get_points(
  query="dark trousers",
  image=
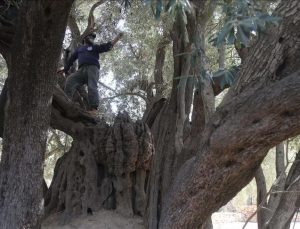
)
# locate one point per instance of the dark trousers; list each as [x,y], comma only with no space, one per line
[89,75]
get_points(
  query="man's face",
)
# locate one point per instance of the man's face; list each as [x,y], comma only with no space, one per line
[90,39]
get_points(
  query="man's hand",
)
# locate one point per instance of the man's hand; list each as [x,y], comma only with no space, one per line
[117,38]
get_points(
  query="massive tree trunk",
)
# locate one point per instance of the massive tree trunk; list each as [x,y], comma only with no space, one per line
[245,126]
[172,127]
[34,54]
[106,167]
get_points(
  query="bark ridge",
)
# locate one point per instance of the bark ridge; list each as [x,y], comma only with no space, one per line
[106,167]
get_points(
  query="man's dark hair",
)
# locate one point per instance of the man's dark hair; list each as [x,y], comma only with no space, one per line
[89,35]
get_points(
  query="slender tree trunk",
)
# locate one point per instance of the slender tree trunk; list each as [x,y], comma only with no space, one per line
[278,186]
[35,52]
[159,64]
[157,101]
[266,207]
[261,200]
[289,201]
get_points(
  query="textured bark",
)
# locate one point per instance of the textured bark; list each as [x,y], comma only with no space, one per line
[164,132]
[159,64]
[156,102]
[153,110]
[171,127]
[204,96]
[245,126]
[213,177]
[261,200]
[7,28]
[34,54]
[276,45]
[106,167]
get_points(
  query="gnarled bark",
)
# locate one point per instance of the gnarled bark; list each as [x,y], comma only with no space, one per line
[34,52]
[172,127]
[213,177]
[106,167]
[246,124]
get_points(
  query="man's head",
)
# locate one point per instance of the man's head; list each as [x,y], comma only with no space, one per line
[89,39]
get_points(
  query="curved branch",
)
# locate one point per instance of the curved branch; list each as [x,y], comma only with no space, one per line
[107,87]
[67,116]
[91,19]
[75,32]
[125,94]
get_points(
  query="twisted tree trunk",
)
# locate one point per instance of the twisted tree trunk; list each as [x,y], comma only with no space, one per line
[171,127]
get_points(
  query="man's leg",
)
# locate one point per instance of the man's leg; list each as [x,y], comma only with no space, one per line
[72,82]
[93,77]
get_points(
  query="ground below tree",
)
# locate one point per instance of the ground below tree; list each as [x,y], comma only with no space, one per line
[102,219]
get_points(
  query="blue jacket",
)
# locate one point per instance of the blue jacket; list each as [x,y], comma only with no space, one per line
[87,55]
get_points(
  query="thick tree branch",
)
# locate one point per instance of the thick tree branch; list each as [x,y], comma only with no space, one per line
[240,130]
[276,44]
[73,25]
[66,116]
[159,63]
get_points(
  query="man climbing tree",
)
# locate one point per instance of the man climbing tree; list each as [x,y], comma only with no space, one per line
[88,70]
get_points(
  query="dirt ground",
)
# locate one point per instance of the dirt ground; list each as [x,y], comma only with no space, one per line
[104,219]
[99,220]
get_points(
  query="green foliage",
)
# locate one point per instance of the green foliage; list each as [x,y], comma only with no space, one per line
[242,21]
[227,76]
[173,7]
[129,67]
